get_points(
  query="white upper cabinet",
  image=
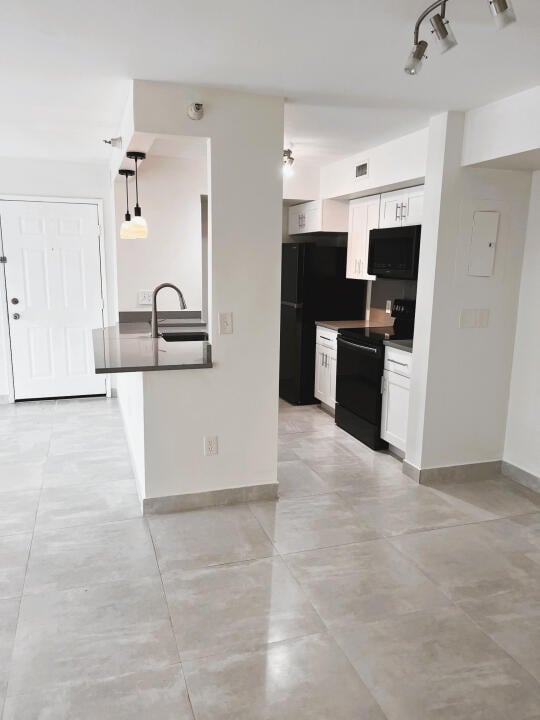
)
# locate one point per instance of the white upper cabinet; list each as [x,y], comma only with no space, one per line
[363,217]
[392,204]
[318,216]
[402,207]
[413,211]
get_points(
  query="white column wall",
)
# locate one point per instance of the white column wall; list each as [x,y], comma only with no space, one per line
[461,377]
[522,447]
[237,400]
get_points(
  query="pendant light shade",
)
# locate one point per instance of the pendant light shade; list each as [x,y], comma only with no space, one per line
[125,228]
[138,226]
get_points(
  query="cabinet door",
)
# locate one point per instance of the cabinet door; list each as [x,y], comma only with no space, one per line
[414,208]
[312,217]
[395,409]
[322,381]
[294,219]
[363,217]
[392,208]
[332,372]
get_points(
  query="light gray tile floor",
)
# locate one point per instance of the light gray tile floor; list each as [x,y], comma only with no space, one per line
[357,596]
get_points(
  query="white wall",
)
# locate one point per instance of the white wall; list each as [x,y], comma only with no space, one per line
[131,400]
[170,192]
[237,399]
[60,179]
[502,128]
[522,446]
[304,183]
[399,163]
[461,377]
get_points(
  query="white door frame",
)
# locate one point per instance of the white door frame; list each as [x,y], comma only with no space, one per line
[6,339]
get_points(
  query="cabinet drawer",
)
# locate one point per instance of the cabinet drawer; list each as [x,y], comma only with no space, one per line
[327,338]
[398,361]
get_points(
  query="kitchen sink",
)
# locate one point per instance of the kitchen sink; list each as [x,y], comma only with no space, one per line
[184,336]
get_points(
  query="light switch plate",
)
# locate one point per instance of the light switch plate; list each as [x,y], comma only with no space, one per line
[145,297]
[474,318]
[225,323]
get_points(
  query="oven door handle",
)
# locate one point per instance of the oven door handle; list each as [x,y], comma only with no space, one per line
[359,347]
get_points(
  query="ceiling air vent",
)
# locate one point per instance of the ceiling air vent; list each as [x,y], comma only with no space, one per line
[362,170]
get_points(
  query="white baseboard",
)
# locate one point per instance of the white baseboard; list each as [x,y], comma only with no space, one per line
[452,473]
[523,477]
[211,498]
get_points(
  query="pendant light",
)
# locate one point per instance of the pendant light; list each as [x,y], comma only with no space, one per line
[138,226]
[125,228]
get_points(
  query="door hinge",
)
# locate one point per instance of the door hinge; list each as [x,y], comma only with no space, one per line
[3,259]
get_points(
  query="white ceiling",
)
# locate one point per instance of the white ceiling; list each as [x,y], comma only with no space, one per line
[63,80]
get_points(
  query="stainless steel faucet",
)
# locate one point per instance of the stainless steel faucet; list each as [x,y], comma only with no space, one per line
[183,305]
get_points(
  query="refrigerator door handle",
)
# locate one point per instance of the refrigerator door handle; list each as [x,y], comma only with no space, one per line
[296,306]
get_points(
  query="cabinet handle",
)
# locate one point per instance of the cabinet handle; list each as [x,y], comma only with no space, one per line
[397,211]
[403,213]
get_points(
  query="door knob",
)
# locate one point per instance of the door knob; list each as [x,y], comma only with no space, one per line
[14,301]
[16,316]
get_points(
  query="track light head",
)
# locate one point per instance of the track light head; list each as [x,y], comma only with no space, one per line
[115,142]
[503,13]
[418,53]
[443,32]
[288,162]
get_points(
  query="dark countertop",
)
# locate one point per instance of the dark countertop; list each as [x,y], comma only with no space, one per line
[128,347]
[406,345]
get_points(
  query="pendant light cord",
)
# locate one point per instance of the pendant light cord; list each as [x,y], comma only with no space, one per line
[127,196]
[136,184]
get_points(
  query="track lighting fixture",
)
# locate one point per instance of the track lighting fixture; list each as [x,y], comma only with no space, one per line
[139,228]
[115,142]
[416,58]
[443,32]
[288,162]
[501,10]
[125,228]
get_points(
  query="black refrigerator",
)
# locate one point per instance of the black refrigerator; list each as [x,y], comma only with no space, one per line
[313,287]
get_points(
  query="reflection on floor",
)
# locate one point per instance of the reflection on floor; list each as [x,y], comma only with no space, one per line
[357,596]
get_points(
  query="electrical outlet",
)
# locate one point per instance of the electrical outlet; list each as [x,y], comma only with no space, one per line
[388,307]
[211,445]
[144,297]
[225,323]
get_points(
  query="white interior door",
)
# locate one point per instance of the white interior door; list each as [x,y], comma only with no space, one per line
[54,295]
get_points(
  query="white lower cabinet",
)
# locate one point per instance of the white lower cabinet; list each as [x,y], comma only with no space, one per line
[326,366]
[395,400]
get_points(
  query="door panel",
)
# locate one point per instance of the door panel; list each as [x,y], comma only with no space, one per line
[53,269]
[395,409]
[359,371]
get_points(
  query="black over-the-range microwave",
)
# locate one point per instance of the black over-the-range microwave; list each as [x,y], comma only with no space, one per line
[394,252]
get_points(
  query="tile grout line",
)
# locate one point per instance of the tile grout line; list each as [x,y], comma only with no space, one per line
[23,586]
[149,530]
